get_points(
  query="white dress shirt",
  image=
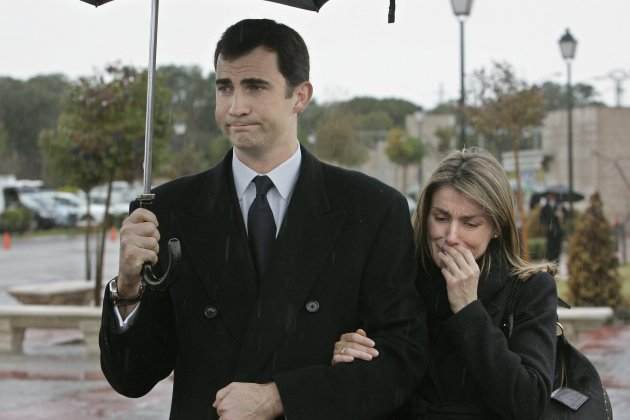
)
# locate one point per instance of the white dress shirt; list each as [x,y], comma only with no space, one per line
[283,176]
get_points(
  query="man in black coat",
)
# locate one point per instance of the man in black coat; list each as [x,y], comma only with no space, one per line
[248,324]
[551,217]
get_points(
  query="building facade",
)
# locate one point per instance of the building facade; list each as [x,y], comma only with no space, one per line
[601,154]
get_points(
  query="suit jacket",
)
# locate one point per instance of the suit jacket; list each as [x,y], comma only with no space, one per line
[475,372]
[343,259]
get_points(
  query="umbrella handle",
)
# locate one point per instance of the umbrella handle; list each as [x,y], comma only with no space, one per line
[174,255]
[174,250]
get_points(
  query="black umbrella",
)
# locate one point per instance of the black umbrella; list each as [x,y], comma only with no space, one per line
[561,193]
[96,2]
[315,5]
[303,4]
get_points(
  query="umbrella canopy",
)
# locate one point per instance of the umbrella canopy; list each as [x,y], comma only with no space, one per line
[96,2]
[303,4]
[561,193]
[315,5]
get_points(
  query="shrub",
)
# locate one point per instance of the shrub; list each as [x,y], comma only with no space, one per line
[536,247]
[593,275]
[16,220]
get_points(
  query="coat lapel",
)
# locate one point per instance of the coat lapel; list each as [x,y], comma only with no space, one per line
[306,239]
[215,242]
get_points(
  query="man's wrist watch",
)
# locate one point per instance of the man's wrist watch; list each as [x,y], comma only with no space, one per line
[117,300]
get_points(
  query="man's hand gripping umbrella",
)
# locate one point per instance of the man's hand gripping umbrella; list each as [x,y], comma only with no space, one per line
[145,200]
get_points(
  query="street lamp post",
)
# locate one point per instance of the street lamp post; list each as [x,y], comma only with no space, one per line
[461,9]
[568,45]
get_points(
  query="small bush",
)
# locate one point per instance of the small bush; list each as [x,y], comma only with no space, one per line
[593,275]
[16,220]
[536,247]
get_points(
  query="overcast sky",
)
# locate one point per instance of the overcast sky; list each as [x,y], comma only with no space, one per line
[353,50]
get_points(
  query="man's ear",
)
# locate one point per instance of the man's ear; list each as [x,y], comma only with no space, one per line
[302,95]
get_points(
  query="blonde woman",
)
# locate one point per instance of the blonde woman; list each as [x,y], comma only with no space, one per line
[468,256]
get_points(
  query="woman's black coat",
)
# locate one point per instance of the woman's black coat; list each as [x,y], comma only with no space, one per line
[474,371]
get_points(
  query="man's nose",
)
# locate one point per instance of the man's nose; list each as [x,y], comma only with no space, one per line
[238,104]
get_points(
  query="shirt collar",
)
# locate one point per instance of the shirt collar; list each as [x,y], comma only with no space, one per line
[283,176]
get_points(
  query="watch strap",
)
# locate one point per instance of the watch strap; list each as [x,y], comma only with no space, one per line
[117,300]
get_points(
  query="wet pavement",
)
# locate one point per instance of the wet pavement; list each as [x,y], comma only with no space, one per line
[609,349]
[55,379]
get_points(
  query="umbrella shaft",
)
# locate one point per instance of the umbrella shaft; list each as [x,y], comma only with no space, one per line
[148,130]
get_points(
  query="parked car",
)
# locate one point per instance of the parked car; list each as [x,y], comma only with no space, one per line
[40,206]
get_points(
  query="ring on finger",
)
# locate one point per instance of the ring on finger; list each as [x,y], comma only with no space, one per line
[342,351]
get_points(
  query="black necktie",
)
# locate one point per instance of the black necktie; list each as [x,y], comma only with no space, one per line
[261,228]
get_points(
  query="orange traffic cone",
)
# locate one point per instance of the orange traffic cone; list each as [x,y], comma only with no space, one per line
[113,233]
[6,240]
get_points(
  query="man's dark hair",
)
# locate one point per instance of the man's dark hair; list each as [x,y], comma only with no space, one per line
[248,34]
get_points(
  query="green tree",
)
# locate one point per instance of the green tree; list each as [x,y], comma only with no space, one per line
[191,113]
[375,120]
[506,108]
[556,95]
[309,119]
[403,150]
[7,156]
[100,136]
[593,276]
[396,109]
[26,108]
[338,140]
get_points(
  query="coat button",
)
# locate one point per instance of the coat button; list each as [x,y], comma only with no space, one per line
[210,312]
[312,306]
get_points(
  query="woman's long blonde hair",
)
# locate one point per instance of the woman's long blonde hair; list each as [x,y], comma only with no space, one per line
[477,175]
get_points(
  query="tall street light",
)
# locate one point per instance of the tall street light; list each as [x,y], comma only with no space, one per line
[568,45]
[462,9]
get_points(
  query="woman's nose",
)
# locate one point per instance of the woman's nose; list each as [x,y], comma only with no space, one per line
[452,237]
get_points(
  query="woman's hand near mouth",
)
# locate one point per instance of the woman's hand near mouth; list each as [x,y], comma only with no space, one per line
[461,272]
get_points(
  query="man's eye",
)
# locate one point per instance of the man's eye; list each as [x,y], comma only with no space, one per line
[255,88]
[440,218]
[224,89]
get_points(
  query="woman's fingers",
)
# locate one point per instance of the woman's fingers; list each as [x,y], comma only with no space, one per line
[356,350]
[458,258]
[341,358]
[358,337]
[352,346]
[448,263]
[468,255]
